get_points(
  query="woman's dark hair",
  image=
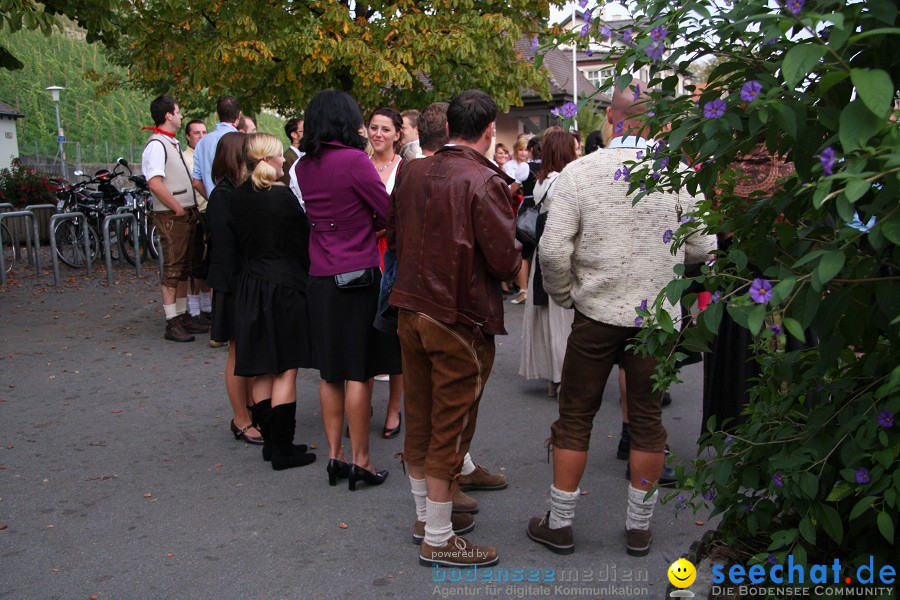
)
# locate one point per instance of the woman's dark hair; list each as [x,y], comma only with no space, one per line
[229,160]
[395,118]
[593,142]
[557,150]
[332,116]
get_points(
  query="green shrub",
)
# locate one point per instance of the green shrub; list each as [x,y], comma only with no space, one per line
[21,185]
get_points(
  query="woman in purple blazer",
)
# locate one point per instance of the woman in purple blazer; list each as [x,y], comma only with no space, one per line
[346,204]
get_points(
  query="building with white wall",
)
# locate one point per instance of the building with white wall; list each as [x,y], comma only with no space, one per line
[9,142]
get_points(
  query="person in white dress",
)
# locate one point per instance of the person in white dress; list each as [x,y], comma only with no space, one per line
[546,325]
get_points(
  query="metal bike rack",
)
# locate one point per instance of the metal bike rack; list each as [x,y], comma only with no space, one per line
[11,215]
[37,237]
[122,216]
[84,232]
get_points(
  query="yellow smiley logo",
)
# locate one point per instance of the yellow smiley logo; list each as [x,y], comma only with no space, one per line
[682,573]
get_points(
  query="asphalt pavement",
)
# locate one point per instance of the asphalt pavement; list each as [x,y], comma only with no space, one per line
[119,477]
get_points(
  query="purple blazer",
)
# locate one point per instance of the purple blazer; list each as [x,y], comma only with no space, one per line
[346,204]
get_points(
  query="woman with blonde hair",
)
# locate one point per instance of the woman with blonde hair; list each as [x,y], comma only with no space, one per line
[272,321]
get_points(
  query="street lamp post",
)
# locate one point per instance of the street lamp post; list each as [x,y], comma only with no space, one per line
[60,137]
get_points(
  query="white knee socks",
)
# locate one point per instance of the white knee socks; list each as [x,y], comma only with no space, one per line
[468,466]
[193,304]
[639,511]
[438,527]
[205,302]
[562,507]
[420,493]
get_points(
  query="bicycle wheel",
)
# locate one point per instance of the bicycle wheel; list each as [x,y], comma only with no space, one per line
[154,246]
[6,245]
[126,239]
[70,243]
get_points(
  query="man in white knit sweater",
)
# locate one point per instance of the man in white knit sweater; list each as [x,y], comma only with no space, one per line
[604,256]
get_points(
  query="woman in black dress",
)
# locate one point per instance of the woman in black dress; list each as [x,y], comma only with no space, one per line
[228,172]
[271,320]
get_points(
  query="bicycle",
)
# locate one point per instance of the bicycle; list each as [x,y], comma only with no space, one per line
[96,205]
[139,202]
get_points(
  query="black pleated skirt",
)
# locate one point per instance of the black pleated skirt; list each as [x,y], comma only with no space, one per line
[271,328]
[345,342]
[222,329]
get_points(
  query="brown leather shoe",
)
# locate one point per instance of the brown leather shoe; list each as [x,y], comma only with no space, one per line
[462,502]
[193,324]
[462,524]
[176,332]
[637,541]
[457,552]
[561,540]
[482,479]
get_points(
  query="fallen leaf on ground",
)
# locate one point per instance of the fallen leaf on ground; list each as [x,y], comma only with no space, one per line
[116,411]
[584,493]
[701,522]
[169,555]
[3,526]
[218,465]
[55,570]
[343,526]
[49,526]
[313,446]
[148,495]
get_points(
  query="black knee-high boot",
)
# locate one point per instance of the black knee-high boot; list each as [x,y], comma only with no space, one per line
[282,423]
[262,413]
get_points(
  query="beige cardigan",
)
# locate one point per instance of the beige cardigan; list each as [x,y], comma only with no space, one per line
[604,256]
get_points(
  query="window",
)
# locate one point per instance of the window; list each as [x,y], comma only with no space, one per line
[600,76]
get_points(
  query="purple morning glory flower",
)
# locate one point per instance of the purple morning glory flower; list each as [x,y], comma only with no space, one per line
[643,481]
[667,236]
[644,307]
[650,113]
[643,187]
[795,6]
[775,329]
[638,155]
[655,50]
[664,162]
[627,35]
[827,159]
[714,109]
[709,494]
[658,33]
[589,52]
[625,172]
[554,112]
[687,220]
[606,32]
[862,475]
[585,30]
[638,321]
[750,91]
[886,419]
[620,126]
[778,479]
[582,3]
[728,440]
[716,296]
[587,16]
[534,44]
[618,174]
[568,110]
[656,175]
[637,92]
[772,559]
[761,291]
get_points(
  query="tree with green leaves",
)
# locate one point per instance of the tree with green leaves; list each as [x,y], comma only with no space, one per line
[277,54]
[810,269]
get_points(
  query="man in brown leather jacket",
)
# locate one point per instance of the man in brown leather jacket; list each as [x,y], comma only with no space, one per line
[453,232]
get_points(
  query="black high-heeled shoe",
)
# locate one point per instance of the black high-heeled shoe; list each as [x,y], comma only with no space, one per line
[357,473]
[337,469]
[241,434]
[394,432]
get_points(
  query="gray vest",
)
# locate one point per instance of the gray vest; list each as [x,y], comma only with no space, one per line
[178,179]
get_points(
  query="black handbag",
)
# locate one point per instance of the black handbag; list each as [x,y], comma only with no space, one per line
[355,279]
[527,220]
